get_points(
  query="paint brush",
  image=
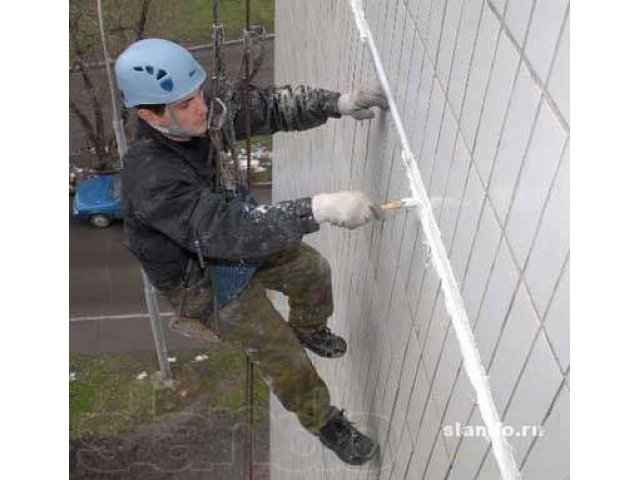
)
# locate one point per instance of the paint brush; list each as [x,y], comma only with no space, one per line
[397,204]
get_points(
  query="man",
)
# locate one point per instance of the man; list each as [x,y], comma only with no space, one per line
[212,250]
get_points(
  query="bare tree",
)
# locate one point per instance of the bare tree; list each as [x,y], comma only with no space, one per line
[85,47]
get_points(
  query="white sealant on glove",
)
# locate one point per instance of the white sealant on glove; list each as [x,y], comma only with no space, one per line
[344,209]
[358,102]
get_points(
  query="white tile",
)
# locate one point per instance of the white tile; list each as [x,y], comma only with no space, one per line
[399,321]
[427,436]
[495,106]
[396,45]
[460,406]
[517,19]
[431,133]
[435,26]
[380,383]
[387,456]
[421,112]
[463,51]
[393,383]
[467,221]
[552,242]
[424,10]
[416,273]
[455,189]
[484,252]
[448,39]
[398,187]
[470,453]
[517,130]
[479,75]
[543,34]
[404,65]
[450,361]
[413,84]
[549,458]
[500,4]
[384,277]
[439,461]
[438,182]
[405,450]
[391,151]
[417,402]
[533,395]
[511,353]
[490,470]
[413,7]
[557,323]
[559,79]
[388,32]
[411,232]
[532,189]
[500,290]
[435,337]
[407,380]
[423,313]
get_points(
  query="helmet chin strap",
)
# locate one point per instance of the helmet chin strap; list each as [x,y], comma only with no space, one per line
[174,129]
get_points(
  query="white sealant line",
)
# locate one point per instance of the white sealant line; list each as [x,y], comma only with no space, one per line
[453,300]
[116,317]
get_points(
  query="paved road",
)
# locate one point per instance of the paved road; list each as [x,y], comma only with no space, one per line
[106,299]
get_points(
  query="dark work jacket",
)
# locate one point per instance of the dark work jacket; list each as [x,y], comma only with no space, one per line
[171,207]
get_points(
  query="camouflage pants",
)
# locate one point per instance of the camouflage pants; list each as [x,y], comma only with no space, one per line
[304,276]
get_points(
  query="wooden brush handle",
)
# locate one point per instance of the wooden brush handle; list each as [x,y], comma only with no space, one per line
[394,205]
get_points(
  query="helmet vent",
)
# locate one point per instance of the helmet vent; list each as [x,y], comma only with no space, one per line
[149,69]
[161,73]
[166,84]
[192,73]
[137,69]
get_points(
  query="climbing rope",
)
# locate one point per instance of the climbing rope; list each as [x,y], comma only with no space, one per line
[222,136]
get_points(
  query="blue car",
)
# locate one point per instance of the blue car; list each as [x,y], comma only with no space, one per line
[98,199]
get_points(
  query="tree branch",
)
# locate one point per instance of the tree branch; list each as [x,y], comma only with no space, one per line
[142,20]
[97,142]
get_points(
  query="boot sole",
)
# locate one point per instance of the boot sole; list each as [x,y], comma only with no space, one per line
[321,354]
[374,451]
[313,349]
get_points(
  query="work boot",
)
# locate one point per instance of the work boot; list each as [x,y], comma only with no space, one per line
[321,341]
[351,446]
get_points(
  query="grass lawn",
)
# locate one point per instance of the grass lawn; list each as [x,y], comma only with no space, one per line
[106,398]
[192,20]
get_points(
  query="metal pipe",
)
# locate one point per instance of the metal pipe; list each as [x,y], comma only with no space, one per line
[157,328]
[121,140]
[247,91]
[107,61]
[250,407]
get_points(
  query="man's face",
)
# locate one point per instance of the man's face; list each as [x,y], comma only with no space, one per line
[190,114]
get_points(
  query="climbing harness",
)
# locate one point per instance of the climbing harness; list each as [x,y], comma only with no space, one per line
[229,278]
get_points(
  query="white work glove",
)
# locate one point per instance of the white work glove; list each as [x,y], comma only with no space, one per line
[358,102]
[344,209]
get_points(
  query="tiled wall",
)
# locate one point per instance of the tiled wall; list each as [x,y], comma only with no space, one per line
[482,89]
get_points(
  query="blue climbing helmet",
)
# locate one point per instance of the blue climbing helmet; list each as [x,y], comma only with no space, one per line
[157,72]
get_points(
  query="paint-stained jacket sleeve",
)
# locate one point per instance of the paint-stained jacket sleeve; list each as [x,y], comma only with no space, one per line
[286,108]
[171,203]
